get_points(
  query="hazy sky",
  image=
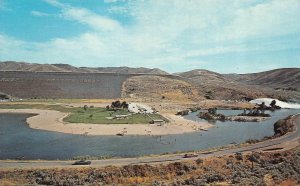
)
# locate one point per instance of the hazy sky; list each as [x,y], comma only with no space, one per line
[175,35]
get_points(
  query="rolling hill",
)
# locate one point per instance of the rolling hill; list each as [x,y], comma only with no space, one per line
[278,78]
[278,83]
[142,83]
[34,67]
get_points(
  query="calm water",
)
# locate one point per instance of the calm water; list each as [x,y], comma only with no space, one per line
[17,139]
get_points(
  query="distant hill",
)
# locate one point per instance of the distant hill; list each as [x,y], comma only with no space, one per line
[281,83]
[194,85]
[21,66]
[200,75]
[278,78]
[196,72]
[34,67]
[128,70]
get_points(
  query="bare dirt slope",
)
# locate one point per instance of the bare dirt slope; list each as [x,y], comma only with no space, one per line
[150,87]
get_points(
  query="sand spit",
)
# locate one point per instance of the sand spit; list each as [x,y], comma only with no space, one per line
[51,120]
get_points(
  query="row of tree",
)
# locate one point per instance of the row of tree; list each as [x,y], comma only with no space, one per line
[118,105]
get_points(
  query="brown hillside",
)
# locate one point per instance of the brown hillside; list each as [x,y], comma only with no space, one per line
[34,67]
[149,87]
[235,87]
[192,85]
[279,78]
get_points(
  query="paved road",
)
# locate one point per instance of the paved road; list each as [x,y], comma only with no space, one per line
[157,159]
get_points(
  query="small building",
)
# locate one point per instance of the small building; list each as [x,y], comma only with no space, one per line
[157,121]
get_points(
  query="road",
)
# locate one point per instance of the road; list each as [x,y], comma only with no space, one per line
[268,144]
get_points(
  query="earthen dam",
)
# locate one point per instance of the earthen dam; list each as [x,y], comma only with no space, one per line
[65,85]
[61,84]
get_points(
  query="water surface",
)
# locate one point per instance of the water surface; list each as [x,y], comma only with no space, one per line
[18,140]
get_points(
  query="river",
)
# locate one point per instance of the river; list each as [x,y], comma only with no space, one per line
[18,140]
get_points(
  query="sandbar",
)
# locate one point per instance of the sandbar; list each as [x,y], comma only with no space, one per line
[51,120]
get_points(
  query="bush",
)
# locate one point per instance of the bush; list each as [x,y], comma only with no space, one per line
[251,141]
[85,107]
[254,157]
[183,112]
[239,156]
[215,177]
[199,161]
[118,104]
[4,96]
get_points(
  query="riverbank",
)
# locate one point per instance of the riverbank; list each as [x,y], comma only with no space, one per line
[221,170]
[51,120]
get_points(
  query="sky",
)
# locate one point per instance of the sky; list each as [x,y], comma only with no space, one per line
[234,36]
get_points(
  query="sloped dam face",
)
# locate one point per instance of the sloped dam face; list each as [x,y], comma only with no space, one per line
[62,84]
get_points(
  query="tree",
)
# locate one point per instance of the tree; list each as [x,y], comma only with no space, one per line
[273,103]
[85,107]
[116,104]
[124,105]
[4,96]
[212,111]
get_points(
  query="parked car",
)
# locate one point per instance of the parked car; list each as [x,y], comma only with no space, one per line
[82,162]
[190,155]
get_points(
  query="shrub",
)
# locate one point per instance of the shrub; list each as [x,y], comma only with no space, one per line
[85,107]
[239,156]
[199,161]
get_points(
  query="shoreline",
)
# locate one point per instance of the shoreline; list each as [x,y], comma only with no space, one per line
[51,120]
[163,158]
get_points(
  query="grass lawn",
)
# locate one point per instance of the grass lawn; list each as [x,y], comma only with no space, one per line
[39,106]
[98,116]
[66,100]
[91,115]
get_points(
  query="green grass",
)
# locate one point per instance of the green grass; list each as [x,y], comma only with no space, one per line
[39,106]
[51,100]
[54,101]
[98,116]
[91,115]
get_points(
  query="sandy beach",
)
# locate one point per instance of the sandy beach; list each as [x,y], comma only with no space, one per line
[51,120]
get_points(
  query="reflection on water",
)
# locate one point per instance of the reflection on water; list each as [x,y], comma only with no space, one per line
[18,140]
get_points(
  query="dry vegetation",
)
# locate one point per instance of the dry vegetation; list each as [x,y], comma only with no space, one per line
[235,86]
[157,88]
[277,168]
[199,85]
